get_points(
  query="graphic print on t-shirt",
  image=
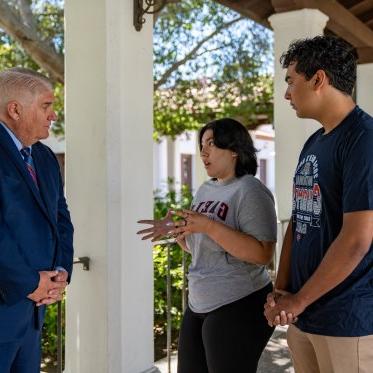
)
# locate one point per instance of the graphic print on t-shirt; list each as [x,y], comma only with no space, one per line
[212,208]
[306,196]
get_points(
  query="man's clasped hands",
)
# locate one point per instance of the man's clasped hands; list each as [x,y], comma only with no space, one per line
[282,308]
[51,286]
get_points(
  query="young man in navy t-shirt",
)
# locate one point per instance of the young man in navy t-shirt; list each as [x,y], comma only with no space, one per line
[324,288]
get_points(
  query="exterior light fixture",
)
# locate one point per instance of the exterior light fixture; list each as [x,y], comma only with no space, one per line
[142,7]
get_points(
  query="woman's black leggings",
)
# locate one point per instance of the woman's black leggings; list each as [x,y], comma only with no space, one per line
[229,339]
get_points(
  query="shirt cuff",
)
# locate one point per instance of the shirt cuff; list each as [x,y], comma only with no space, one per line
[60,269]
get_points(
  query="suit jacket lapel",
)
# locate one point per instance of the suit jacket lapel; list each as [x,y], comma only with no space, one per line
[11,150]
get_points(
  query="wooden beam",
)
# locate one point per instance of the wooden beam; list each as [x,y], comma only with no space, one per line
[365,55]
[367,16]
[281,6]
[339,30]
[240,6]
[342,22]
[361,7]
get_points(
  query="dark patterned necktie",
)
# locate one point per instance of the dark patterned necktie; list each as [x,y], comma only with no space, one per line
[26,154]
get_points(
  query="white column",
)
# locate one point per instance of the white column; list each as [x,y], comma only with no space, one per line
[364,84]
[109,186]
[291,132]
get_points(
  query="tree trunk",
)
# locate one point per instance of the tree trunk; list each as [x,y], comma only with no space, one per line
[38,49]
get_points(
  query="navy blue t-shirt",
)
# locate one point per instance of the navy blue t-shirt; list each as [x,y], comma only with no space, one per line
[334,176]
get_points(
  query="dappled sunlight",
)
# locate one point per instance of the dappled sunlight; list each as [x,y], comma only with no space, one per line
[276,356]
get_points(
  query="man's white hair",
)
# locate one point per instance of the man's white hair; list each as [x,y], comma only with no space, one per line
[21,84]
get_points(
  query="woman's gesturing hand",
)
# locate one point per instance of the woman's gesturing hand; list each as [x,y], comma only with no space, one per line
[189,222]
[160,228]
[192,222]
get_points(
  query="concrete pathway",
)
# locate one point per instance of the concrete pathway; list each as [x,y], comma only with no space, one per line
[275,358]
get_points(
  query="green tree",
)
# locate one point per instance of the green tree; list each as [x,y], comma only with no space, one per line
[37,27]
[209,62]
[193,103]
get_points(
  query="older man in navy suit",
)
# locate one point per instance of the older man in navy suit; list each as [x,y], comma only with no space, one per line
[36,233]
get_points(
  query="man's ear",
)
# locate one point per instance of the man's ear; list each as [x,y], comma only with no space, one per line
[320,79]
[14,110]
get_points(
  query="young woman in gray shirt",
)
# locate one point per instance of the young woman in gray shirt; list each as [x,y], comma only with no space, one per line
[230,232]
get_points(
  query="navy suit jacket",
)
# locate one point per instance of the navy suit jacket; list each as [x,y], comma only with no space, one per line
[35,232]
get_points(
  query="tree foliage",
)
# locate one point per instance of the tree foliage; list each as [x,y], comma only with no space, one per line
[209,62]
[192,104]
[37,25]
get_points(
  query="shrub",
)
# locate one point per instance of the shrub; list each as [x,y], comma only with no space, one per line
[171,200]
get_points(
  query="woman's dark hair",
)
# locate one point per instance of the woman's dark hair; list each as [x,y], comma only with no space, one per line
[231,134]
[333,55]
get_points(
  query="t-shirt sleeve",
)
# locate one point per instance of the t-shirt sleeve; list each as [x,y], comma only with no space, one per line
[257,215]
[358,173]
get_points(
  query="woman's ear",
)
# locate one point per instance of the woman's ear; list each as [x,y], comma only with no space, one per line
[234,155]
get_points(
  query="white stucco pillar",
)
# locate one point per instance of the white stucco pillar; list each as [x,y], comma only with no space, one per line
[109,186]
[364,84]
[291,132]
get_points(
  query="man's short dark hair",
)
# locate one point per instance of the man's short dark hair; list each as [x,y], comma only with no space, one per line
[333,55]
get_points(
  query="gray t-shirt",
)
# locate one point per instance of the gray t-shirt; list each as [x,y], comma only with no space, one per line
[215,277]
